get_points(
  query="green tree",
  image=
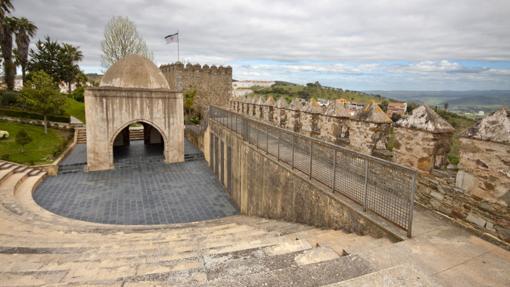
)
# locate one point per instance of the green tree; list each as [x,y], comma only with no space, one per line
[57,60]
[25,30]
[8,25]
[22,138]
[45,58]
[40,94]
[5,8]
[189,97]
[121,38]
[70,55]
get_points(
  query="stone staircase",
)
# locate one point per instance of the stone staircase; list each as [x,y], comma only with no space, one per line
[38,247]
[135,134]
[81,135]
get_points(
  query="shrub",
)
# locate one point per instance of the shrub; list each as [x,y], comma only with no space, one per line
[5,157]
[8,98]
[78,94]
[22,138]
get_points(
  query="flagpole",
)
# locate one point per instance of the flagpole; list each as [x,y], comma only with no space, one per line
[178,46]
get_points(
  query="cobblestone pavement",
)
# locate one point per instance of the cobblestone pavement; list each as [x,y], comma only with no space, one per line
[145,193]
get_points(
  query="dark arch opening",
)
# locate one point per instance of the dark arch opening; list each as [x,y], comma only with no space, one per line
[137,143]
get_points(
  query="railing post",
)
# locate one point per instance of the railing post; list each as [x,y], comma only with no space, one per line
[334,172]
[231,127]
[365,200]
[278,145]
[411,208]
[293,144]
[311,153]
[257,131]
[267,139]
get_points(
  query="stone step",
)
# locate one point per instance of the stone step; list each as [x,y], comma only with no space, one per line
[4,173]
[400,275]
[71,168]
[315,274]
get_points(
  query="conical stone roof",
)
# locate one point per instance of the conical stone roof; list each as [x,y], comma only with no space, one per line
[372,113]
[495,127]
[295,104]
[281,103]
[269,101]
[426,119]
[313,107]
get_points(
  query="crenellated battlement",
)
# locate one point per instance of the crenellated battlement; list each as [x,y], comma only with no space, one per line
[220,70]
[213,84]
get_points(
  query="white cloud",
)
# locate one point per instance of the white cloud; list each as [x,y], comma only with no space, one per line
[297,32]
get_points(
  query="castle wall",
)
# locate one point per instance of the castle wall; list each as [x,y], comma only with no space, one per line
[476,196]
[213,84]
[263,187]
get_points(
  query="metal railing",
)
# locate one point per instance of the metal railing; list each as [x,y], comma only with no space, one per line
[380,186]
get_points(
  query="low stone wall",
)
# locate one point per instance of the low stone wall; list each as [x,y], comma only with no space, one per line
[365,130]
[57,125]
[261,186]
[476,196]
[195,135]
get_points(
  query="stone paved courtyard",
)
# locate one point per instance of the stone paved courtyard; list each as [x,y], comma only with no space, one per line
[141,191]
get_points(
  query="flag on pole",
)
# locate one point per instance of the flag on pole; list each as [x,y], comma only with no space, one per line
[172,38]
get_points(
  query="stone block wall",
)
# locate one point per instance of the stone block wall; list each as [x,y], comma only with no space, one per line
[421,149]
[477,195]
[423,140]
[364,136]
[263,187]
[337,125]
[213,84]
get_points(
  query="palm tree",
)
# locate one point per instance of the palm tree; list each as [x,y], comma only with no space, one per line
[8,25]
[5,8]
[25,30]
[72,55]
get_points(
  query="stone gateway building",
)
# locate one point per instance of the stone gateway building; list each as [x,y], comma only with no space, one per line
[133,90]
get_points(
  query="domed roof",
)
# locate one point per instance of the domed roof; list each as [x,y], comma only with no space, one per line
[134,71]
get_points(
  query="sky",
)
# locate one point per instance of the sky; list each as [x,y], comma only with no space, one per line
[357,45]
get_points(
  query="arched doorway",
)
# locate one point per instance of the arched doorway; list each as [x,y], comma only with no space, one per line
[136,143]
[133,89]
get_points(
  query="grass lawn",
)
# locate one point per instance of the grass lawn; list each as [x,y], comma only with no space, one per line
[75,109]
[43,148]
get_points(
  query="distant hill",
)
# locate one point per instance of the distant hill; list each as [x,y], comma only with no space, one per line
[94,78]
[314,90]
[462,101]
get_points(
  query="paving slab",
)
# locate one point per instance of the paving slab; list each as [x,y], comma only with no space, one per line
[141,191]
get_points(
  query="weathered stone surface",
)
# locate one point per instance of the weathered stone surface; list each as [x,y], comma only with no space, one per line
[364,136]
[473,218]
[426,119]
[293,111]
[373,114]
[134,71]
[213,84]
[338,109]
[123,100]
[495,128]
[421,149]
[316,255]
[310,113]
[488,164]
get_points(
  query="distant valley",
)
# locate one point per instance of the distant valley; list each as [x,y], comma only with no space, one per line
[458,101]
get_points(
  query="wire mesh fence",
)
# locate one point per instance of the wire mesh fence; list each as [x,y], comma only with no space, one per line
[380,186]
